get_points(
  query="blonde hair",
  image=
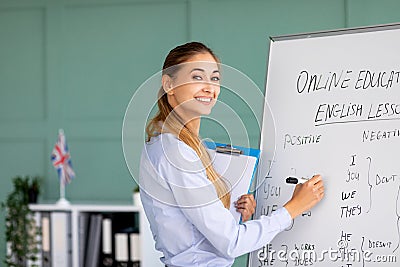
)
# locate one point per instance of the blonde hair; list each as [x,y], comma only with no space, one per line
[174,124]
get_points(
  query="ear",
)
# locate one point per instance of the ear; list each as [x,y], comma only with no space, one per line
[166,81]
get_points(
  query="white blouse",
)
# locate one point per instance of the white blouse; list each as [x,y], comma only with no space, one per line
[190,225]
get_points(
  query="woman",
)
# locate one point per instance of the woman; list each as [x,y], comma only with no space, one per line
[184,198]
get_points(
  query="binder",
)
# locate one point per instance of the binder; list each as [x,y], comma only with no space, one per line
[60,239]
[237,165]
[107,258]
[123,225]
[93,243]
[121,249]
[83,227]
[135,249]
[46,243]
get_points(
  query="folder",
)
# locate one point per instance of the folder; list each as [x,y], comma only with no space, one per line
[237,165]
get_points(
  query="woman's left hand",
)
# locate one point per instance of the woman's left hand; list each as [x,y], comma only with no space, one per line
[246,205]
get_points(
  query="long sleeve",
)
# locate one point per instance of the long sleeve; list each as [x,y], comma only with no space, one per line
[199,202]
[188,221]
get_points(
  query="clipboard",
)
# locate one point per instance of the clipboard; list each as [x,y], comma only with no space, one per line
[237,165]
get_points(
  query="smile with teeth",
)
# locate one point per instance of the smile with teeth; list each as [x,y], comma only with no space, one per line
[203,99]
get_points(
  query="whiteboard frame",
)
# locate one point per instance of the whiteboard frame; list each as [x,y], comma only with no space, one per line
[374,28]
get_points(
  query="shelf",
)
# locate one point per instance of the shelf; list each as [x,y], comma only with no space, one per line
[87,208]
[149,256]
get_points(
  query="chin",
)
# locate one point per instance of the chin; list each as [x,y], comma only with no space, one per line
[202,111]
[206,111]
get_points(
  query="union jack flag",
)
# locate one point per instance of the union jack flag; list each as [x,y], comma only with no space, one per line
[62,160]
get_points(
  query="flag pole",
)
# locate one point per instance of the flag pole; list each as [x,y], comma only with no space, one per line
[62,201]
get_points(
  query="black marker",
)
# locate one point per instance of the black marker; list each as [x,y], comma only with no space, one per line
[295,180]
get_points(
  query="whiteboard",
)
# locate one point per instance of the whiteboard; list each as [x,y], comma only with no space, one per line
[334,109]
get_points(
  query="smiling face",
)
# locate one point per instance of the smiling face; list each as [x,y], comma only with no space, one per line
[194,88]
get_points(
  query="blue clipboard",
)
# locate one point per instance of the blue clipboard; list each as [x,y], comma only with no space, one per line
[237,165]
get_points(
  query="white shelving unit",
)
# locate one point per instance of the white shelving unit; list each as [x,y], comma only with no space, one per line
[149,258]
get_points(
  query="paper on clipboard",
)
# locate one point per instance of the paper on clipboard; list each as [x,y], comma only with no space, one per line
[238,169]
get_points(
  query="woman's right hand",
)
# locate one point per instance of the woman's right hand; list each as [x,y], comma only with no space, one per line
[305,196]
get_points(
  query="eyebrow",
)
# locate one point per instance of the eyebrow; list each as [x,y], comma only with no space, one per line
[198,69]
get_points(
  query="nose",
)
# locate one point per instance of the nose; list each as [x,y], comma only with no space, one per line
[210,87]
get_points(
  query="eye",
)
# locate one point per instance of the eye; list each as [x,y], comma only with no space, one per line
[216,79]
[197,77]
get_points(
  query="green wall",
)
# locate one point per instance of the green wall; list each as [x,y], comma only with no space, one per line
[75,65]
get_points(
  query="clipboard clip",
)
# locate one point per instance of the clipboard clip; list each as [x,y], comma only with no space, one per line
[228,149]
